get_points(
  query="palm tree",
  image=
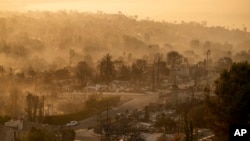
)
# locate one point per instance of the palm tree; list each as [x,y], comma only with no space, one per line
[107,69]
[138,68]
[158,58]
[173,58]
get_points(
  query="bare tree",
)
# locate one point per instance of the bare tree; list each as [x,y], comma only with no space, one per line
[83,71]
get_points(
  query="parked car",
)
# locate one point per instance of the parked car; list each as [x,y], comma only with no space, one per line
[72,123]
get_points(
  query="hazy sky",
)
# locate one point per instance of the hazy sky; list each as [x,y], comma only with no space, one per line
[216,12]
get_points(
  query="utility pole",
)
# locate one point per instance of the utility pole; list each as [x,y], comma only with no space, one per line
[107,125]
[102,78]
[195,82]
[153,76]
[175,89]
[208,53]
[207,90]
[158,72]
[99,125]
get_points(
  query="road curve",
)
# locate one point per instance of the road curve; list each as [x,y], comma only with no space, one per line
[138,102]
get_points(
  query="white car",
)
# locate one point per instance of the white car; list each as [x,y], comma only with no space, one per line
[72,123]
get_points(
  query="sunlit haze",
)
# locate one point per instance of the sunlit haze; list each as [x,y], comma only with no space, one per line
[228,13]
[95,70]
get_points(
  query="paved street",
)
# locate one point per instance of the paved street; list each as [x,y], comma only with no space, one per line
[138,102]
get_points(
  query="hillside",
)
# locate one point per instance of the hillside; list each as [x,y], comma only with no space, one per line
[40,39]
